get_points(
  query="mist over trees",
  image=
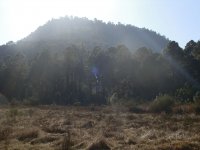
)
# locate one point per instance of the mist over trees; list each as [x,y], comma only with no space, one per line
[75,60]
[57,34]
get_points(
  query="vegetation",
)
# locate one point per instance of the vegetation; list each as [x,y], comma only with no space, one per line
[33,71]
[78,76]
[91,63]
[58,34]
[162,103]
[110,129]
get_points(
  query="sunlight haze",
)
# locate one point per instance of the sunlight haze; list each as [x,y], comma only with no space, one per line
[178,20]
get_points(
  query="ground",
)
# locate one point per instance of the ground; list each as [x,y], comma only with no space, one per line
[93,128]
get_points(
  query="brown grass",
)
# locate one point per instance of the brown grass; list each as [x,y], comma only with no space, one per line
[5,132]
[100,144]
[66,142]
[27,135]
[44,140]
[56,127]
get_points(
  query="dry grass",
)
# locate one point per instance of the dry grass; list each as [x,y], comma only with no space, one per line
[5,133]
[54,127]
[27,135]
[100,144]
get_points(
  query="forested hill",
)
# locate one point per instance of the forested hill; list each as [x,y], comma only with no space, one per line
[61,63]
[63,32]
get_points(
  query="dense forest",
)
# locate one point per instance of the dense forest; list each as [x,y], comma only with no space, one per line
[74,60]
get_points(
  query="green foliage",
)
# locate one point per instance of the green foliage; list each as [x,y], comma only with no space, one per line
[196,98]
[173,50]
[185,93]
[162,103]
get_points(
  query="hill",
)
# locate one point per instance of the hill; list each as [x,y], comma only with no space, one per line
[73,60]
[60,33]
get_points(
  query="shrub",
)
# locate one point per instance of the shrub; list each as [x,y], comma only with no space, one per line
[113,99]
[185,94]
[196,98]
[77,103]
[31,101]
[197,110]
[162,103]
[3,100]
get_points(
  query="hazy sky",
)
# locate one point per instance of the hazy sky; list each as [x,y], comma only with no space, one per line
[176,19]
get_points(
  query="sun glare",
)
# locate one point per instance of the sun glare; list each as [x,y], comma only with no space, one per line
[28,15]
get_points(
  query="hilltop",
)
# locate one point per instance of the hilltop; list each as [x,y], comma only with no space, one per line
[58,34]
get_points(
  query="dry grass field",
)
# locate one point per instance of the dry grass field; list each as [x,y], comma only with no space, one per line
[93,128]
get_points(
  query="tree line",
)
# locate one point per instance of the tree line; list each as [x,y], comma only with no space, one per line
[77,75]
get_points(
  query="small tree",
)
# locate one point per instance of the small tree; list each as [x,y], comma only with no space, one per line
[185,93]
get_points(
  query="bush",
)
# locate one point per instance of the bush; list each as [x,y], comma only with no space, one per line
[185,94]
[113,99]
[197,110]
[196,98]
[3,100]
[162,103]
[31,101]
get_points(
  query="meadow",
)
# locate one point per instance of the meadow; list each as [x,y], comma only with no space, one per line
[93,128]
